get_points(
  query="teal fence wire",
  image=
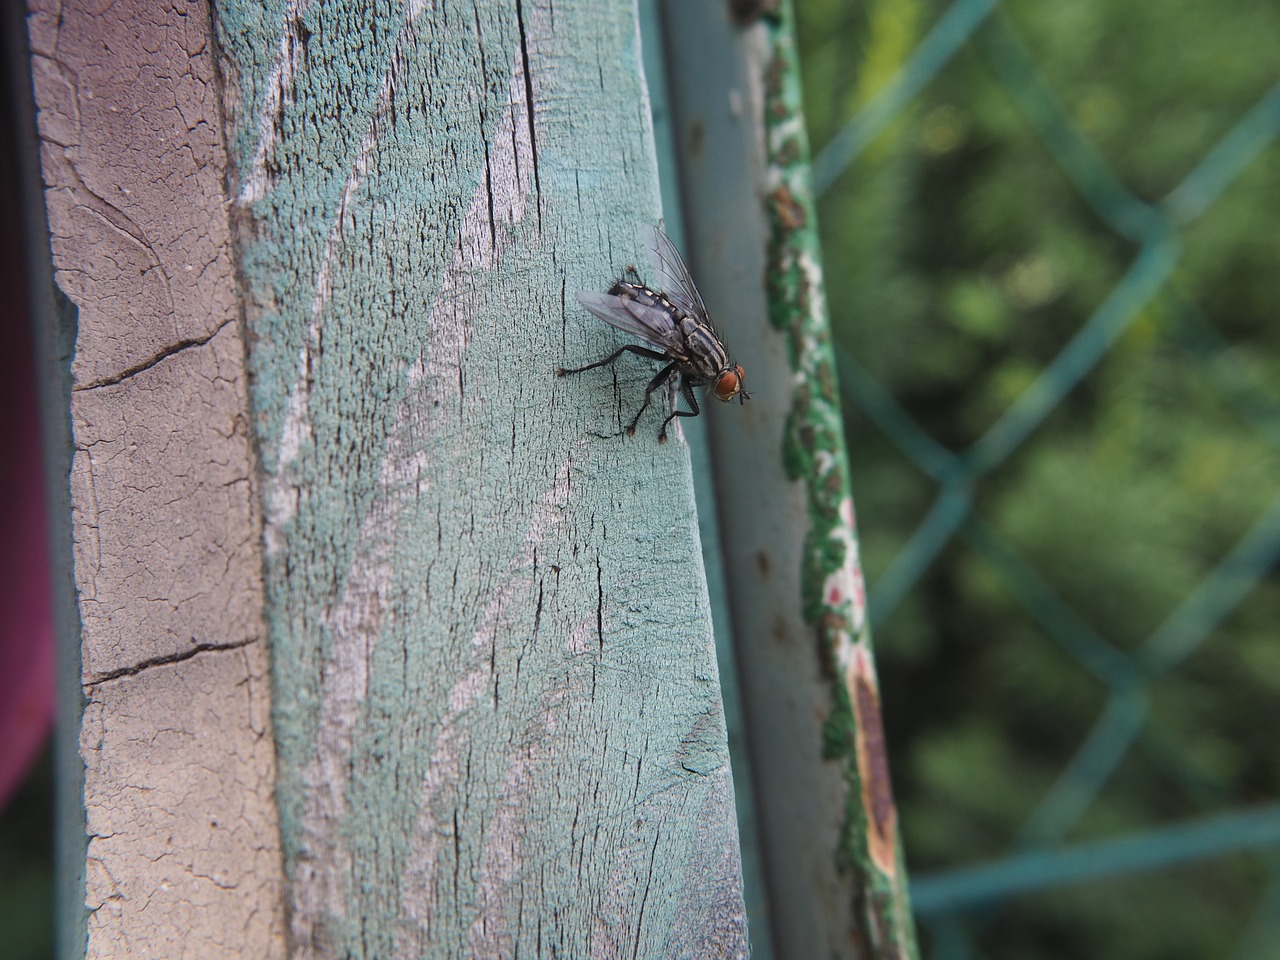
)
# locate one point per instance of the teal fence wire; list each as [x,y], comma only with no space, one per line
[1140,792]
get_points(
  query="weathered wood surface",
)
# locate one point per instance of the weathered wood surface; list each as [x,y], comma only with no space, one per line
[496,699]
[182,856]
[827,825]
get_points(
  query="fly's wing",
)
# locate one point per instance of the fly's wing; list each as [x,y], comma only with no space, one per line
[648,323]
[672,275]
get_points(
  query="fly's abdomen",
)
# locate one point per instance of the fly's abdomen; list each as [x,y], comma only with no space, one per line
[643,295]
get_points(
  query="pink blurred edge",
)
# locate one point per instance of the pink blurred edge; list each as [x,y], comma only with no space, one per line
[26,692]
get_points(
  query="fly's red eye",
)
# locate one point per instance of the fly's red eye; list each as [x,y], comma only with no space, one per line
[729,383]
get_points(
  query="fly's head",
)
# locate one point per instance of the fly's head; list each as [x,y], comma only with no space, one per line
[730,383]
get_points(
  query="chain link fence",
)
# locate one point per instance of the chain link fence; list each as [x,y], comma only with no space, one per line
[1082,204]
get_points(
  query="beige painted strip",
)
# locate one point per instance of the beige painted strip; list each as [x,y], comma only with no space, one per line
[183,854]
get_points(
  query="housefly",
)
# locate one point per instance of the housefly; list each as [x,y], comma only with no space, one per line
[673,320]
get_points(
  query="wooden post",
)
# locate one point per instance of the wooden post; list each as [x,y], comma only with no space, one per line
[494,703]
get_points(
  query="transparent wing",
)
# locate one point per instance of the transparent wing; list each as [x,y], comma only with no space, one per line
[648,323]
[672,275]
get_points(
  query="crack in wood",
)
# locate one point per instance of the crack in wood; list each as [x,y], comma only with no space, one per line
[135,669]
[142,366]
[528,99]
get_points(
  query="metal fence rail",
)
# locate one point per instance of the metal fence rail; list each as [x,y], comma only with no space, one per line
[1127,675]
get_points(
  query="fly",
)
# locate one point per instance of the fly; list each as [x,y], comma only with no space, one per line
[673,320]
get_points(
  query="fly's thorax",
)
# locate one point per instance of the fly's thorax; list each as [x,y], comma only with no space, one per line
[705,354]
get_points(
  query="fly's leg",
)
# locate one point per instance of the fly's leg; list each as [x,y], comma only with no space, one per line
[687,389]
[662,377]
[629,348]
[630,271]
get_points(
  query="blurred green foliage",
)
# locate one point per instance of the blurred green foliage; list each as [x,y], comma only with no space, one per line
[960,260]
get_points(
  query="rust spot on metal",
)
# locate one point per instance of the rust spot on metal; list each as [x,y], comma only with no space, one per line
[697,138]
[780,634]
[788,153]
[787,209]
[873,767]
[773,78]
[764,566]
[827,665]
[803,302]
[834,623]
[808,438]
